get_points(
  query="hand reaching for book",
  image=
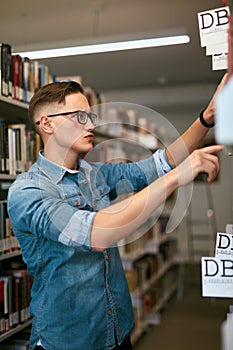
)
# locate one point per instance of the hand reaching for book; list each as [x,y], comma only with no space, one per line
[204,160]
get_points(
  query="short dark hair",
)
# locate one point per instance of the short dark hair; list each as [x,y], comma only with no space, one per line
[53,92]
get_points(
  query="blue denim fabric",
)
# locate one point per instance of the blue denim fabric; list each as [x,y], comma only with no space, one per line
[80,297]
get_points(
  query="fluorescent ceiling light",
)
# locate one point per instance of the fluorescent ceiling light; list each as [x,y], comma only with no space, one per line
[107,47]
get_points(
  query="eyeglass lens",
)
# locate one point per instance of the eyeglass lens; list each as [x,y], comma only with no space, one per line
[83,116]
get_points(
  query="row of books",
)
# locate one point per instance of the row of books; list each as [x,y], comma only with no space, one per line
[121,121]
[21,77]
[15,286]
[8,241]
[147,307]
[148,267]
[156,297]
[152,236]
[19,147]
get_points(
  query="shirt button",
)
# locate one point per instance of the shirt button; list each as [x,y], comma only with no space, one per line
[85,182]
[109,312]
[77,203]
[94,206]
[106,257]
[101,191]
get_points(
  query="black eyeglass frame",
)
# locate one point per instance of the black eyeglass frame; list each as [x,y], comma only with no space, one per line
[92,116]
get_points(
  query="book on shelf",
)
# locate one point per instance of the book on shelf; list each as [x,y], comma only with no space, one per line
[19,148]
[6,70]
[16,62]
[18,301]
[3,225]
[26,77]
[29,76]
[45,76]
[2,316]
[3,146]
[7,283]
[20,76]
[8,241]
[37,80]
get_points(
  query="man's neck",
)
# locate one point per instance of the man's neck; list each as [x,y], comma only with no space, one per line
[69,160]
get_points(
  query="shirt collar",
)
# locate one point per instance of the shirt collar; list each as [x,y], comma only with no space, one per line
[56,172]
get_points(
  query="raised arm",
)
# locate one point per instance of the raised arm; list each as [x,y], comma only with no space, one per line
[194,135]
[121,219]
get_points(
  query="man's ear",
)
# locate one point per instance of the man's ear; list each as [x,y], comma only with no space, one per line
[46,125]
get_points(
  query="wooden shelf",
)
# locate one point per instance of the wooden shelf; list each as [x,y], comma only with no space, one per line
[7,177]
[13,110]
[10,255]
[15,330]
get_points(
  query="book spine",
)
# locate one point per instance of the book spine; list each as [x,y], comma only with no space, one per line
[21,148]
[31,87]
[9,73]
[26,77]
[1,146]
[11,147]
[4,54]
[16,74]
[5,148]
[2,319]
[21,80]
[21,295]
[2,227]
[6,308]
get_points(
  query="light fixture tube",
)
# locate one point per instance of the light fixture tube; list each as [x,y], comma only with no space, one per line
[106,47]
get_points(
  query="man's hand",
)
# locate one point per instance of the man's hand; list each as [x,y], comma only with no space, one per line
[201,160]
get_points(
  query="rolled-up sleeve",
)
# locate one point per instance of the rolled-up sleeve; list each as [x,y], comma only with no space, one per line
[162,164]
[41,211]
[82,220]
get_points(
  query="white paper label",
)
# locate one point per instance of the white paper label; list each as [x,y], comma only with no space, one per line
[219,61]
[217,277]
[224,246]
[213,25]
[216,49]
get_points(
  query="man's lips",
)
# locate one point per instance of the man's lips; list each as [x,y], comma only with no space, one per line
[89,136]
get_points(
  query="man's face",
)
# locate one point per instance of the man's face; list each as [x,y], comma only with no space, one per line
[69,134]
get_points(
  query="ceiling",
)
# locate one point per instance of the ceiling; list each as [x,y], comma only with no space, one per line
[29,24]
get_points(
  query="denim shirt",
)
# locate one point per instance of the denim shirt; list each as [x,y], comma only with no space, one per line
[80,297]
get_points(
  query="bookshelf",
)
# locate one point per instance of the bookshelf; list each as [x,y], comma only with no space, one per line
[12,322]
[149,259]
[150,264]
[15,285]
[152,278]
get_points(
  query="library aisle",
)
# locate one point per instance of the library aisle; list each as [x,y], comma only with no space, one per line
[191,323]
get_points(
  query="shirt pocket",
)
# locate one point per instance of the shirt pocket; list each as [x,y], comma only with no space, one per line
[76,200]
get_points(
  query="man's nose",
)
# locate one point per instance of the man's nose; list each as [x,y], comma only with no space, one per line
[89,125]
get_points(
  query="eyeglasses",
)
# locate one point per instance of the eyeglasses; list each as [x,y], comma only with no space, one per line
[81,116]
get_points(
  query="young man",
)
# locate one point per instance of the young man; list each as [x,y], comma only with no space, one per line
[61,214]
